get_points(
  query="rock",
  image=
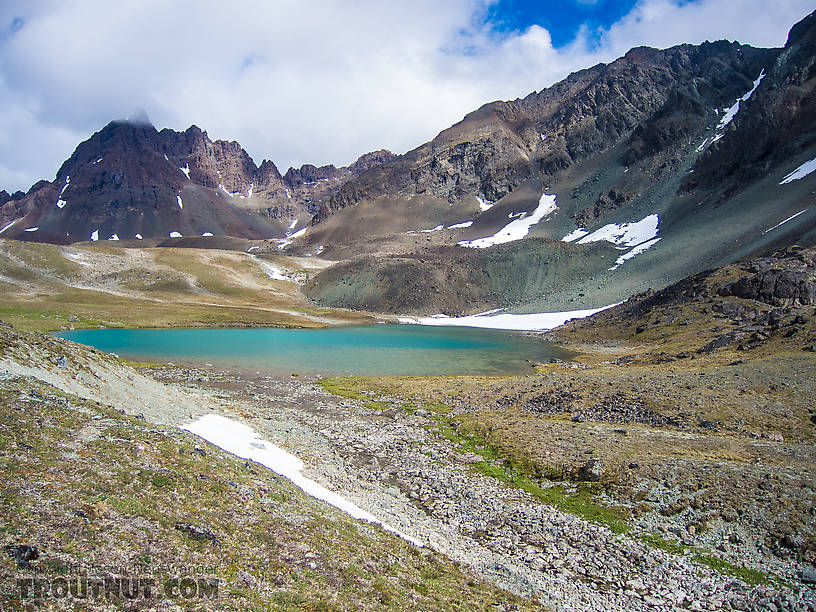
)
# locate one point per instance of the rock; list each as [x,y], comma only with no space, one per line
[202,534]
[23,554]
[247,578]
[808,574]
[591,471]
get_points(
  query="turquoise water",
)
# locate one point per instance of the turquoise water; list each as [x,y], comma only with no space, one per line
[410,350]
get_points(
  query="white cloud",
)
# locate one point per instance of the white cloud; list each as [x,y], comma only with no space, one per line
[298,82]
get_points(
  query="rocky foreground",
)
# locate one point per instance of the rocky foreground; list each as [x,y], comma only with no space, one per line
[411,461]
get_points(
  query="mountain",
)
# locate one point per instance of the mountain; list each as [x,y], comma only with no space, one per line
[678,157]
[676,160]
[130,180]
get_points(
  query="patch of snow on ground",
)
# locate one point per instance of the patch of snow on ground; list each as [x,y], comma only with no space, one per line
[175,235]
[575,234]
[32,229]
[205,234]
[249,192]
[114,237]
[272,271]
[801,172]
[459,225]
[785,221]
[518,228]
[319,249]
[434,229]
[288,195]
[95,235]
[625,234]
[180,204]
[635,251]
[186,171]
[484,205]
[100,159]
[252,248]
[733,110]
[5,227]
[293,224]
[298,233]
[518,322]
[165,157]
[242,441]
[61,203]
[137,236]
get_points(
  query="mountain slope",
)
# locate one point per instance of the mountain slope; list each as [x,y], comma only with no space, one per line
[129,181]
[693,141]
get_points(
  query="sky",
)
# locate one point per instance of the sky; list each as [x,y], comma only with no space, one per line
[318,81]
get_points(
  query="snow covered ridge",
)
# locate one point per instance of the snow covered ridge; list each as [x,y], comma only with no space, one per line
[518,228]
[801,172]
[539,321]
[242,441]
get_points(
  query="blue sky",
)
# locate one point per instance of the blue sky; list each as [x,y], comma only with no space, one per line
[563,19]
[316,81]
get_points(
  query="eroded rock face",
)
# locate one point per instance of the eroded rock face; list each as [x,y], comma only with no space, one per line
[129,179]
[777,287]
[786,278]
[649,101]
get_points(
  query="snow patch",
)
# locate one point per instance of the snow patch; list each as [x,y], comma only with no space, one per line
[32,229]
[575,234]
[95,235]
[205,234]
[175,235]
[433,229]
[293,224]
[272,271]
[61,203]
[242,441]
[298,233]
[518,228]
[5,227]
[180,204]
[252,248]
[801,172]
[625,234]
[518,322]
[636,251]
[186,171]
[65,186]
[785,221]
[166,158]
[484,205]
[458,225]
[731,112]
[137,236]
[100,159]
[113,237]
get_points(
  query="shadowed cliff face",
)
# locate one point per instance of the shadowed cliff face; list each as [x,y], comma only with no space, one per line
[773,127]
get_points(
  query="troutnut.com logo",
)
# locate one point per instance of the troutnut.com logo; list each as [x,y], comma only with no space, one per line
[83,587]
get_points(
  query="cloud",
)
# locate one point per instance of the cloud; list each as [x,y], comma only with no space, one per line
[317,82]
